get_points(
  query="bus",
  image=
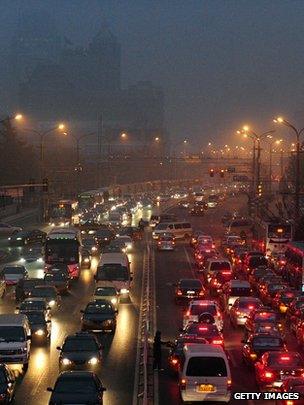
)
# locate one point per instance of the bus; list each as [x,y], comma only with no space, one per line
[272,237]
[294,266]
[63,213]
[63,246]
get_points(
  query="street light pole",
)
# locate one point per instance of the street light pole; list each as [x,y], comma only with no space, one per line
[297,132]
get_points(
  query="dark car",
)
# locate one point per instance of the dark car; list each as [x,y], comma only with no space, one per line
[208,331]
[257,344]
[189,288]
[176,349]
[132,231]
[91,245]
[86,259]
[11,274]
[33,254]
[40,325]
[290,385]
[25,237]
[197,210]
[77,387]
[60,280]
[255,261]
[48,293]
[7,384]
[99,315]
[25,286]
[104,236]
[217,280]
[260,316]
[34,304]
[81,350]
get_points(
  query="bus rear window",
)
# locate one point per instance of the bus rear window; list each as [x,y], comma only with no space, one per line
[206,367]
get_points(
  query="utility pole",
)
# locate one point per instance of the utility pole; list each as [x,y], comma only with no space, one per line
[99,149]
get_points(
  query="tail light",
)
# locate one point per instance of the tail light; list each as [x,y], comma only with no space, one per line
[174,361]
[238,312]
[201,293]
[251,307]
[182,384]
[199,256]
[159,243]
[218,314]
[268,375]
[217,341]
[229,384]
[188,313]
[179,292]
[288,402]
[173,243]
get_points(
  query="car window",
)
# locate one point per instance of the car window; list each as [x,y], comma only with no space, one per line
[178,226]
[240,291]
[206,367]
[199,309]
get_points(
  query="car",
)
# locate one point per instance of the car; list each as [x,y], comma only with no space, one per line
[290,385]
[7,384]
[80,350]
[22,238]
[194,238]
[31,255]
[104,236]
[11,274]
[207,331]
[77,387]
[48,293]
[7,229]
[257,274]
[241,309]
[271,289]
[176,349]
[99,315]
[40,325]
[106,290]
[91,245]
[259,343]
[133,231]
[254,261]
[166,242]
[233,290]
[58,279]
[188,289]
[203,255]
[217,280]
[34,304]
[262,315]
[86,259]
[294,308]
[127,241]
[197,211]
[214,265]
[283,299]
[25,286]
[199,307]
[274,367]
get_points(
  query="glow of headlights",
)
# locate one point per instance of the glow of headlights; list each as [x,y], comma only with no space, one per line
[40,260]
[39,332]
[52,303]
[86,260]
[66,361]
[93,361]
[18,238]
[22,260]
[114,300]
[94,248]
[124,291]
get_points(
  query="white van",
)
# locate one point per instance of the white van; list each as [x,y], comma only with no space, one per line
[115,267]
[204,374]
[15,339]
[180,230]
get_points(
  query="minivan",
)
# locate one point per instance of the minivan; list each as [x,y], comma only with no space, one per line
[115,267]
[180,230]
[15,339]
[204,374]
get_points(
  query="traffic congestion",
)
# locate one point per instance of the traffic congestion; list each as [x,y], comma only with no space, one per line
[70,289]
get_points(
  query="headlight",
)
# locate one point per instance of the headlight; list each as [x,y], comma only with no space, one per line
[18,238]
[66,362]
[124,291]
[114,300]
[129,245]
[40,260]
[52,303]
[86,260]
[94,248]
[61,223]
[93,361]
[9,238]
[39,332]
[22,259]
[52,224]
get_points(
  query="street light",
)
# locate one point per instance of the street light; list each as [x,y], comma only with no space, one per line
[256,160]
[17,117]
[297,132]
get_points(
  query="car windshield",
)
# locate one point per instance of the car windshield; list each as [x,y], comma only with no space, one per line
[285,359]
[240,291]
[206,367]
[35,317]
[12,334]
[248,304]
[112,272]
[55,277]
[220,266]
[162,226]
[267,341]
[190,284]
[99,308]
[105,291]
[79,345]
[75,385]
[43,292]
[13,270]
[256,261]
[32,305]
[200,309]
[265,317]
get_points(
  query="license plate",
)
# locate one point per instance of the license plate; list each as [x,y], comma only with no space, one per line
[205,388]
[277,384]
[190,292]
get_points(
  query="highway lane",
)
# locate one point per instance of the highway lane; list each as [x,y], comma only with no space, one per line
[118,367]
[171,266]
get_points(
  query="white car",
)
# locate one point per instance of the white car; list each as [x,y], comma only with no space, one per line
[198,307]
[127,240]
[7,229]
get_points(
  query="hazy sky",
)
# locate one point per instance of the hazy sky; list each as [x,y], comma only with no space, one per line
[221,63]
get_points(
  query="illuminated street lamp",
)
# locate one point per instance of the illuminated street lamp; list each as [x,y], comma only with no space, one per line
[297,132]
[17,117]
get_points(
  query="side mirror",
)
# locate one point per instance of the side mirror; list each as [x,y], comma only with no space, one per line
[50,389]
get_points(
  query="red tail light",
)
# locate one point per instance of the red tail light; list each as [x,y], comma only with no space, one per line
[268,375]
[188,313]
[217,341]
[173,243]
[238,313]
[229,384]
[159,243]
[199,256]
[201,293]
[251,307]
[174,361]
[182,384]
[179,292]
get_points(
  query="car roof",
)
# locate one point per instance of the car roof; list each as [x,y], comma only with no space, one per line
[239,283]
[203,302]
[74,374]
[196,348]
[33,299]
